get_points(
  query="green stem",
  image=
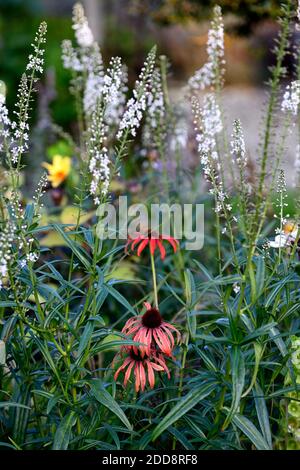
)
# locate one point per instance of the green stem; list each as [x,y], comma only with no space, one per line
[154,280]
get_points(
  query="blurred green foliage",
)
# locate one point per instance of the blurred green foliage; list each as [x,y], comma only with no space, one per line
[174,11]
[19,21]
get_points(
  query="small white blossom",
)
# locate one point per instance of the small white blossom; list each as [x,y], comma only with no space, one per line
[291,98]
[280,241]
[236,288]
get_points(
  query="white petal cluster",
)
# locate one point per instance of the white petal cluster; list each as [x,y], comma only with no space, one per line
[94,81]
[237,144]
[291,98]
[36,60]
[99,163]
[154,120]
[136,105]
[83,33]
[90,77]
[7,236]
[179,138]
[109,87]
[212,72]
[14,135]
[70,58]
[209,125]
[100,169]
[4,124]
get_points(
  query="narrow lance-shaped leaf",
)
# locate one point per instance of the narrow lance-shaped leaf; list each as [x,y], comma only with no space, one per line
[183,406]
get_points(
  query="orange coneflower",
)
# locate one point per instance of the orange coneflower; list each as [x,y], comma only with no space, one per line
[154,241]
[138,363]
[151,330]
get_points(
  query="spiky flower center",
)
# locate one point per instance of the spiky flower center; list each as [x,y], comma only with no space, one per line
[152,318]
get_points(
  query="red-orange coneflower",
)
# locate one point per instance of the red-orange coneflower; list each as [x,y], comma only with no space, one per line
[151,330]
[154,241]
[143,367]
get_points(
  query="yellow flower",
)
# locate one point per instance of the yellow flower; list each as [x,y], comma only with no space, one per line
[58,170]
[290,228]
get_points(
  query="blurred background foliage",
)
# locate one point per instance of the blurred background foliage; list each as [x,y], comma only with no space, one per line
[129,28]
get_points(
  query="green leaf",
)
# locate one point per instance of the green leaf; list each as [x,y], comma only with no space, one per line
[190,288]
[103,397]
[9,404]
[2,353]
[248,428]
[75,247]
[183,406]
[263,330]
[260,275]
[262,413]
[85,341]
[119,297]
[277,288]
[63,432]
[238,382]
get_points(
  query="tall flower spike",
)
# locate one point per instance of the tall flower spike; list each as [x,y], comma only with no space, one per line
[114,91]
[137,104]
[83,33]
[94,81]
[155,111]
[20,128]
[212,72]
[152,331]
[208,124]
[237,144]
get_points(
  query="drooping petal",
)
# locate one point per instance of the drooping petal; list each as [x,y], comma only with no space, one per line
[133,329]
[144,338]
[142,376]
[130,323]
[147,305]
[125,363]
[137,377]
[136,241]
[161,249]
[171,327]
[161,361]
[162,341]
[172,242]
[168,333]
[156,367]
[151,377]
[153,243]
[142,246]
[128,373]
